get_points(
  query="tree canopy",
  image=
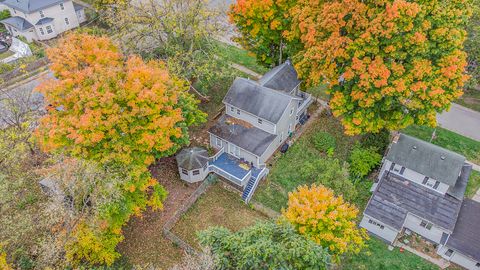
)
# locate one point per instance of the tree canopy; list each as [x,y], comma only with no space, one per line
[326,219]
[387,64]
[265,245]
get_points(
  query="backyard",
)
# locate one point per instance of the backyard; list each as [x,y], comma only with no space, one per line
[216,207]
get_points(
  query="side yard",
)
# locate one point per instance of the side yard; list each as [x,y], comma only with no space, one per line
[217,207]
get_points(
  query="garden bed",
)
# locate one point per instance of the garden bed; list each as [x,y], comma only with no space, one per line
[216,207]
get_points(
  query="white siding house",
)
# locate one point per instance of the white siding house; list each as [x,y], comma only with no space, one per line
[42,19]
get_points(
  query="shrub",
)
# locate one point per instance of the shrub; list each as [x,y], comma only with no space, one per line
[379,140]
[363,161]
[324,141]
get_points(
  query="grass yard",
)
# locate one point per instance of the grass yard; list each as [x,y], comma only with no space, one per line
[473,184]
[449,140]
[288,170]
[378,257]
[319,92]
[470,99]
[216,207]
[6,54]
[241,57]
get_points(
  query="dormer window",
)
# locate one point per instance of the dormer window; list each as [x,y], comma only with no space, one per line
[41,14]
[260,121]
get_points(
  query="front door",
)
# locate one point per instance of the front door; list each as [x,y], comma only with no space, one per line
[234,150]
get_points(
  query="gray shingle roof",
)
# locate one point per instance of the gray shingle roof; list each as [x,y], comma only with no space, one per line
[192,158]
[283,77]
[45,20]
[250,138]
[263,102]
[18,22]
[458,191]
[396,196]
[77,7]
[29,6]
[426,158]
[466,236]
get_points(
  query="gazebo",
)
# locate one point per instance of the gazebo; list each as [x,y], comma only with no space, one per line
[193,164]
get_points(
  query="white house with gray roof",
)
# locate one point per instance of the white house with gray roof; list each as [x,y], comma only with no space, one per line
[421,188]
[42,19]
[259,118]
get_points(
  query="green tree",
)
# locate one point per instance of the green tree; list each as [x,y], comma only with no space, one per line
[262,25]
[363,161]
[264,246]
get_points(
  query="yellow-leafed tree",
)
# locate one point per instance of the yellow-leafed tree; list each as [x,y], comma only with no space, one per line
[326,219]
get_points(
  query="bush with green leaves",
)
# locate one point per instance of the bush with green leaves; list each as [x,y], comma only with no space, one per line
[324,141]
[379,140]
[363,161]
[265,245]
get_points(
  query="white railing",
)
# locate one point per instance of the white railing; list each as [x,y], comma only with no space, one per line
[219,153]
[262,173]
[224,174]
[306,102]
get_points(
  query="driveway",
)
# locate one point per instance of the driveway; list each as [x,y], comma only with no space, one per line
[461,120]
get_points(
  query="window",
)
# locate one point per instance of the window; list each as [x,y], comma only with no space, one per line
[477,265]
[41,31]
[49,29]
[437,183]
[260,120]
[392,166]
[61,6]
[218,142]
[184,171]
[449,253]
[232,109]
[14,11]
[238,111]
[291,111]
[426,225]
[402,170]
[290,128]
[373,222]
[425,180]
[66,21]
[196,172]
[41,14]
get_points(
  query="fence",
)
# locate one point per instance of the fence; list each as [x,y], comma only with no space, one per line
[174,219]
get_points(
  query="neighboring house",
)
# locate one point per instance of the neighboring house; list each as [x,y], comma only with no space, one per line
[42,19]
[421,188]
[259,118]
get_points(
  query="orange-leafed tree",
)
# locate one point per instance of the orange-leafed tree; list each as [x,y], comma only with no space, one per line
[262,25]
[388,63]
[105,108]
[326,219]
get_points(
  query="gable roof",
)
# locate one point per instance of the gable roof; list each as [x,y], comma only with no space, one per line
[247,137]
[192,158]
[283,77]
[426,158]
[29,6]
[17,22]
[466,237]
[260,101]
[396,196]
[45,20]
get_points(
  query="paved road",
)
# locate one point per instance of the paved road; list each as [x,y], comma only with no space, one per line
[461,120]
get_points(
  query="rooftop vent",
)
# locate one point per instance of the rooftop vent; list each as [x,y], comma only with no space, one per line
[442,157]
[414,147]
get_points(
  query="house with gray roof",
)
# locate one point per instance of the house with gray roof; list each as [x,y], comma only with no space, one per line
[421,189]
[42,19]
[259,117]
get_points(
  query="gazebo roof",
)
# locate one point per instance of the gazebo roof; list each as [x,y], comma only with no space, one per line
[192,158]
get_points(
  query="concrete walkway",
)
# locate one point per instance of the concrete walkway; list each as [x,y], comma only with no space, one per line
[442,263]
[246,70]
[461,120]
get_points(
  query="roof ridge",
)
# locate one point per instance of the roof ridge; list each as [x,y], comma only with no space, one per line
[434,146]
[267,88]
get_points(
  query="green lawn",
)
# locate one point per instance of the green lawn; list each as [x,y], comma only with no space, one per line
[473,184]
[302,165]
[378,257]
[241,57]
[217,207]
[470,99]
[449,140]
[6,54]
